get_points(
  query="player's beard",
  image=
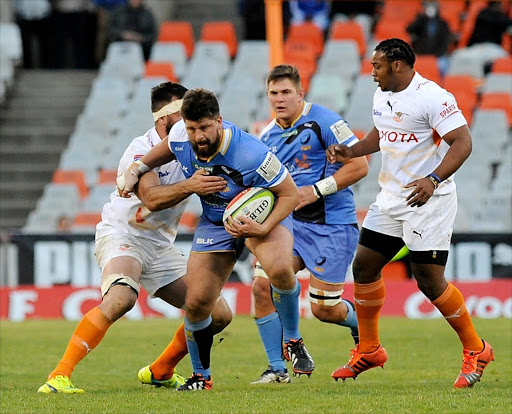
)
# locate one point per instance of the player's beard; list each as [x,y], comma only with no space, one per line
[208,148]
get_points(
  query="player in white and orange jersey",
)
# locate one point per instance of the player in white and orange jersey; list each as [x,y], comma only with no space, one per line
[424,139]
[135,244]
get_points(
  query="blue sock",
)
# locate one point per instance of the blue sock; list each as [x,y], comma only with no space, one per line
[351,320]
[271,333]
[287,306]
[199,342]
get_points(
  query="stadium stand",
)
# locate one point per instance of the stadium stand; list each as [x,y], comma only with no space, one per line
[336,72]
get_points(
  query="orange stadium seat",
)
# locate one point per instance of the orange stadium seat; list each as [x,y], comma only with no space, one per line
[502,65]
[386,29]
[426,65]
[366,67]
[307,32]
[464,89]
[86,220]
[157,69]
[349,30]
[76,177]
[305,66]
[298,50]
[221,32]
[498,100]
[400,11]
[452,11]
[178,31]
[469,24]
[107,176]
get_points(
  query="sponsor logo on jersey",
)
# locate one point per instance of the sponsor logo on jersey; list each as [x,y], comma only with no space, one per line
[421,84]
[303,163]
[398,116]
[393,136]
[184,168]
[390,105]
[202,240]
[377,113]
[202,167]
[178,148]
[124,247]
[450,107]
[137,157]
[289,134]
[305,148]
[269,168]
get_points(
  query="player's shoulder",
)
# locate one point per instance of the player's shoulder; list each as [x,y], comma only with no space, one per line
[426,88]
[178,132]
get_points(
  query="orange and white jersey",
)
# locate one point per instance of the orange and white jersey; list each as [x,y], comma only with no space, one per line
[410,124]
[129,215]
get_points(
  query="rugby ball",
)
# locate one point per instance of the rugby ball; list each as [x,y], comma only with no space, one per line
[256,203]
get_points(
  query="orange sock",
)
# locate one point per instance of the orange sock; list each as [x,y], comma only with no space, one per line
[163,367]
[369,298]
[88,334]
[451,305]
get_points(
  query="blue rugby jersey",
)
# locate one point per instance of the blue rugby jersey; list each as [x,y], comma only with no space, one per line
[301,149]
[241,159]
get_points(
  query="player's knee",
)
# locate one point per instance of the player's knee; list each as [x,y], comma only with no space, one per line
[221,316]
[119,295]
[325,304]
[322,313]
[261,290]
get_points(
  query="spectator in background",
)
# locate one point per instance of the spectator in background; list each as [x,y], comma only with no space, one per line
[64,224]
[252,13]
[104,9]
[311,10]
[134,22]
[34,20]
[491,23]
[75,33]
[431,35]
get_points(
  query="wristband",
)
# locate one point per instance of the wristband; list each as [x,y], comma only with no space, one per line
[142,168]
[434,179]
[326,186]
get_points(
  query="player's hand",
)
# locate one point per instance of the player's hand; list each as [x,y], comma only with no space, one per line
[248,228]
[202,183]
[421,193]
[127,180]
[338,153]
[306,196]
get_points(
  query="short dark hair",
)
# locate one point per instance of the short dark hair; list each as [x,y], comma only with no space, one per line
[163,93]
[284,72]
[396,49]
[198,104]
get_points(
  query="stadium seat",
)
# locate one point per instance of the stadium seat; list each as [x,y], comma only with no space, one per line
[98,196]
[77,177]
[340,58]
[497,82]
[210,59]
[502,65]
[307,32]
[498,100]
[170,52]
[330,91]
[468,25]
[107,176]
[386,29]
[306,69]
[463,88]
[366,67]
[164,69]
[85,222]
[129,52]
[294,48]
[400,11]
[426,65]
[349,30]
[223,31]
[453,11]
[178,31]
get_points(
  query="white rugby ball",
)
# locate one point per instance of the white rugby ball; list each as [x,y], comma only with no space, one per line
[256,203]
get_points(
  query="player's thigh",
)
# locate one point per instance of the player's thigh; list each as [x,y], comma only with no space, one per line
[119,255]
[326,250]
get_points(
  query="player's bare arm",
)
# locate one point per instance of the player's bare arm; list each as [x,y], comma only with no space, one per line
[287,197]
[156,196]
[349,173]
[159,155]
[342,153]
[460,148]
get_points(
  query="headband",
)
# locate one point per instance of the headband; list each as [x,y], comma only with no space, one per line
[170,108]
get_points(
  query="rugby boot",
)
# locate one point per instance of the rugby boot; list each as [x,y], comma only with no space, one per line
[473,365]
[360,362]
[296,352]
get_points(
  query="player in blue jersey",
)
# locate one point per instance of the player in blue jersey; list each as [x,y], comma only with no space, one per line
[217,153]
[324,223]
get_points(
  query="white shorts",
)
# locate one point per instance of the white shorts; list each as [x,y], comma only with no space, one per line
[160,265]
[424,228]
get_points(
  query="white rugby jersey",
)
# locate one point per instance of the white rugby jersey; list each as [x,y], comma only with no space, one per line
[129,215]
[410,124]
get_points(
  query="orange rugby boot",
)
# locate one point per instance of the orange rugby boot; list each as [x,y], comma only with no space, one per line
[473,365]
[361,362]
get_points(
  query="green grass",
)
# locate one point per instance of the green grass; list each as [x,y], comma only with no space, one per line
[424,359]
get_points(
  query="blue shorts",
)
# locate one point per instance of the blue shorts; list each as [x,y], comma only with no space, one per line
[210,237]
[326,249]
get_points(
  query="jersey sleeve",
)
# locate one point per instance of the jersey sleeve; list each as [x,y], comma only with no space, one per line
[444,114]
[136,150]
[335,130]
[178,133]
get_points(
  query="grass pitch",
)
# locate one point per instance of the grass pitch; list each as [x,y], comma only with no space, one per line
[424,360]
